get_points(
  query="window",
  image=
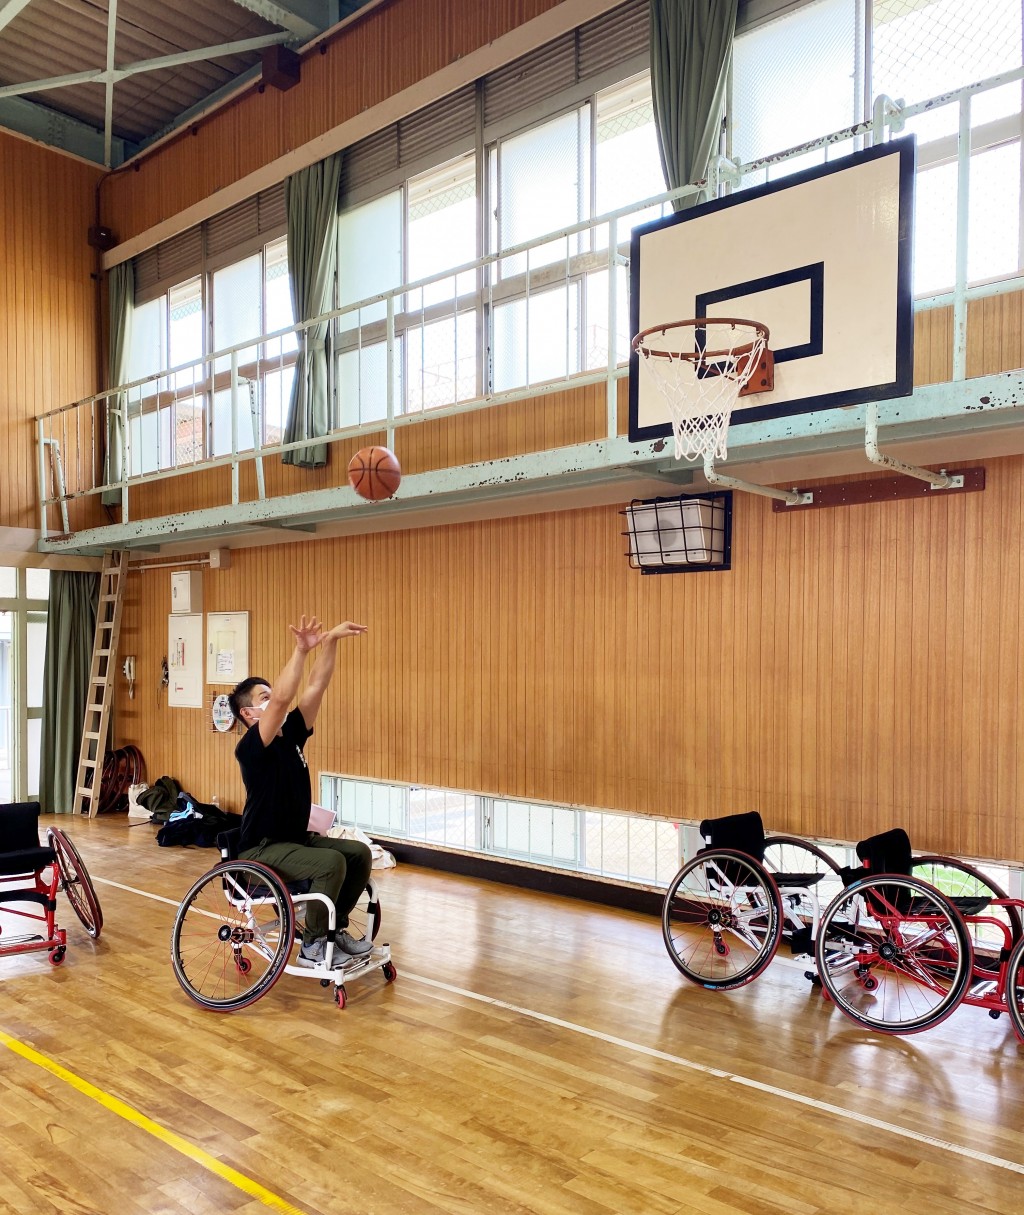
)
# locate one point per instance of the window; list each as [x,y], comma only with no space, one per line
[23,604]
[625,847]
[919,49]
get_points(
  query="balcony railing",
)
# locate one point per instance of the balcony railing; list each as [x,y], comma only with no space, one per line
[461,340]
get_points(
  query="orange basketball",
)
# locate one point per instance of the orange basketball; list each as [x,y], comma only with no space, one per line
[374,473]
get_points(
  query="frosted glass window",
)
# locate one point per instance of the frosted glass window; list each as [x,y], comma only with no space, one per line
[278,294]
[185,330]
[369,255]
[778,68]
[442,362]
[924,48]
[363,384]
[628,165]
[543,180]
[237,310]
[8,582]
[536,340]
[148,350]
[442,228]
[34,741]
[37,584]
[993,245]
[35,657]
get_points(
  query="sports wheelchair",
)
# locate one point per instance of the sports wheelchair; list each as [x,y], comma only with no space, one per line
[730,906]
[235,929]
[898,954]
[55,865]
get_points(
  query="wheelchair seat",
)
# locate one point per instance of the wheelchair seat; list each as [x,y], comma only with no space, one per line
[227,845]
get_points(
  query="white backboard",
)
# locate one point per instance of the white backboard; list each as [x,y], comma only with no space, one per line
[823,258]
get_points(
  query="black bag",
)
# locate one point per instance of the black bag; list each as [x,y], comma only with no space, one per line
[193,822]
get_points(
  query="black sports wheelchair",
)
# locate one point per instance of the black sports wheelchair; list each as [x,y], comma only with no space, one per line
[234,932]
[31,873]
[898,942]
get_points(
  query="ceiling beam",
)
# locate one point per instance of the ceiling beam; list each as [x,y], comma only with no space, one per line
[112,76]
[304,18]
[108,100]
[9,9]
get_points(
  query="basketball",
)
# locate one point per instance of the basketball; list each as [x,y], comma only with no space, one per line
[374,473]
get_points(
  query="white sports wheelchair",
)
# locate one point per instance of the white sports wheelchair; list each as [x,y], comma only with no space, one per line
[235,930]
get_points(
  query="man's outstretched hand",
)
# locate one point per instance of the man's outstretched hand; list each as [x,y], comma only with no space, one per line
[308,634]
[345,629]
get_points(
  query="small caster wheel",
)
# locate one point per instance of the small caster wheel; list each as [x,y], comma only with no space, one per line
[869,983]
[389,971]
[57,955]
[325,982]
[994,1013]
[340,996]
[721,948]
[243,965]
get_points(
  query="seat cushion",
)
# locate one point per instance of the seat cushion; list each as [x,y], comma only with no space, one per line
[25,860]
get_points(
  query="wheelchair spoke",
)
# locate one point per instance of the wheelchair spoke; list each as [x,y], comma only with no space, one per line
[232,935]
[721,919]
[894,954]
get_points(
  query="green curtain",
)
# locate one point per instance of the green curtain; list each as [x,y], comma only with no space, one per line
[121,298]
[311,200]
[691,49]
[70,627]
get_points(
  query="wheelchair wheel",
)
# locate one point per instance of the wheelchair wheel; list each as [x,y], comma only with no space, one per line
[1015,988]
[814,881]
[232,935]
[75,880]
[721,919]
[964,885]
[894,954]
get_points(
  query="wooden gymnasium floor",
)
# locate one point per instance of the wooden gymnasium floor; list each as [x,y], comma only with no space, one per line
[535,1055]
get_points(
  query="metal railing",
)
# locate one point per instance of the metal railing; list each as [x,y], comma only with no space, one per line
[171,423]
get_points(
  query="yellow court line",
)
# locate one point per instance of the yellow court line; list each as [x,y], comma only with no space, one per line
[116,1106]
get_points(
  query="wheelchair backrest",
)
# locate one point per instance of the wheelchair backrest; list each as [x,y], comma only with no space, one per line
[741,832]
[19,826]
[888,852]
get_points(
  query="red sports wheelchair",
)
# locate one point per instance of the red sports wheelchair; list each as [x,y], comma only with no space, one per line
[31,873]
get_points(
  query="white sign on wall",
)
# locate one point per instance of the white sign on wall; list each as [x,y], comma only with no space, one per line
[227,647]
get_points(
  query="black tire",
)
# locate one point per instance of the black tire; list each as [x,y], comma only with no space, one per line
[721,919]
[75,881]
[1015,988]
[232,935]
[894,954]
[816,881]
[962,884]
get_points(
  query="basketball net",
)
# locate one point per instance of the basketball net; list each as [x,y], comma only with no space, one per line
[700,367]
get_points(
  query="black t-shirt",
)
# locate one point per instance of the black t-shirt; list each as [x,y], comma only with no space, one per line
[278,794]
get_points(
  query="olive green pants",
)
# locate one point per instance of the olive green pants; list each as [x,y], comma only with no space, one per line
[339,869]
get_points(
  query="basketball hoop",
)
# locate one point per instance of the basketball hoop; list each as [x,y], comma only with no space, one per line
[701,367]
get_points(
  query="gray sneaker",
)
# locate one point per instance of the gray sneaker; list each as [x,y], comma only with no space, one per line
[313,953]
[346,944]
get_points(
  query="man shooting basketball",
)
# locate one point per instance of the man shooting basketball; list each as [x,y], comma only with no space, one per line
[275,821]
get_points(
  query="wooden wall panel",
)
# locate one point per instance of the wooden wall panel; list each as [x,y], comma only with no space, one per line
[857,668]
[388,50]
[48,310]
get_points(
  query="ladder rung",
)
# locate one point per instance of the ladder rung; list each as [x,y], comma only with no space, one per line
[91,733]
[94,708]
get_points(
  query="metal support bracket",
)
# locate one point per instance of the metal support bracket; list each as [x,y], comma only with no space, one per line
[790,497]
[937,480]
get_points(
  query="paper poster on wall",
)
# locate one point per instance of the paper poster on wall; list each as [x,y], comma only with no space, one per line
[185,661]
[227,647]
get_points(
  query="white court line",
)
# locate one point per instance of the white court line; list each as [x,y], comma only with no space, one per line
[651,1052]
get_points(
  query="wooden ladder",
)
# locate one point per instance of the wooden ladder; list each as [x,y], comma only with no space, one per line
[101,683]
